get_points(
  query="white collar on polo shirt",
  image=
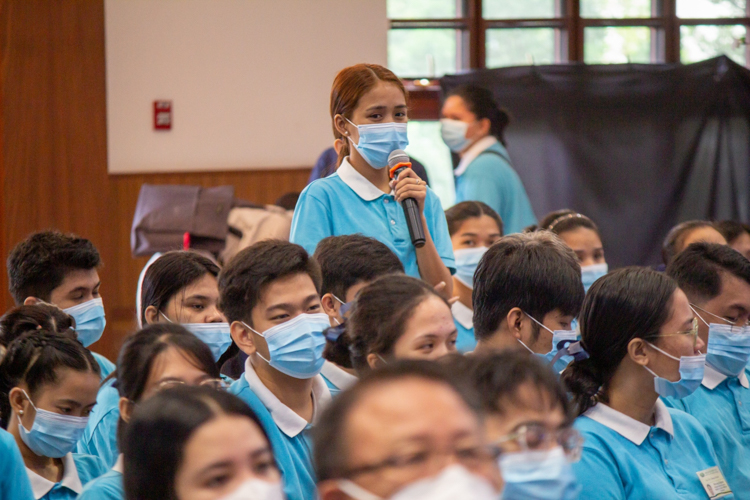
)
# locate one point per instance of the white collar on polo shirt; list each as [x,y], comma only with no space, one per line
[358,182]
[285,418]
[119,464]
[628,427]
[463,315]
[475,150]
[712,378]
[338,376]
[41,486]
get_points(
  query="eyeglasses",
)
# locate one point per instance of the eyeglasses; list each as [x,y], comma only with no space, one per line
[734,323]
[693,332]
[214,383]
[534,437]
[425,461]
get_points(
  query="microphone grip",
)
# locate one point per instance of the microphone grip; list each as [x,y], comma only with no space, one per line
[414,222]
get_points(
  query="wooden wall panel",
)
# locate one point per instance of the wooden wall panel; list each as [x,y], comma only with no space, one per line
[53,148]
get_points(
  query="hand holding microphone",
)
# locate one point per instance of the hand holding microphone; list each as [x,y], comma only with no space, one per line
[411,192]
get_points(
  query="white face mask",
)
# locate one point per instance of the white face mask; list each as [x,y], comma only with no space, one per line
[452,483]
[453,133]
[255,489]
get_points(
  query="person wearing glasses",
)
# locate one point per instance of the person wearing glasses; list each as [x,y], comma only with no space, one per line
[404,432]
[716,279]
[158,357]
[528,416]
[642,341]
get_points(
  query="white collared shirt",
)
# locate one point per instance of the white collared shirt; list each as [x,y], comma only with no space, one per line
[118,467]
[41,486]
[285,418]
[712,378]
[475,150]
[338,376]
[463,315]
[630,428]
[358,182]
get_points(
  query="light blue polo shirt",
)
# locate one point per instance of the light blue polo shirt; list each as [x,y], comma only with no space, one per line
[463,317]
[485,174]
[78,470]
[105,366]
[336,378]
[14,483]
[106,487]
[625,459]
[287,431]
[722,405]
[347,203]
[100,436]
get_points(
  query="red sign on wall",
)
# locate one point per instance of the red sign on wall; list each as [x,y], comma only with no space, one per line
[162,115]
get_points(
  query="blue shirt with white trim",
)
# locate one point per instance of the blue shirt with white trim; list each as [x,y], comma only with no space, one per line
[100,436]
[78,470]
[623,458]
[105,366]
[14,483]
[722,405]
[347,203]
[336,378]
[463,317]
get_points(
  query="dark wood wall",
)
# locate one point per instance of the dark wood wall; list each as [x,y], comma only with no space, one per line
[53,149]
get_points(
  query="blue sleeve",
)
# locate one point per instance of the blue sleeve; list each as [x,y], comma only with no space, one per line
[101,441]
[89,467]
[105,366]
[107,487]
[311,222]
[438,226]
[14,481]
[598,476]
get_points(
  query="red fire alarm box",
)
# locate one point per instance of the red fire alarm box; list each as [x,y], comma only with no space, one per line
[162,115]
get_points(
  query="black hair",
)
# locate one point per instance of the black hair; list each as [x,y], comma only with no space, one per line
[626,304]
[41,316]
[673,243]
[698,269]
[481,102]
[159,430]
[242,281]
[330,450]
[35,359]
[140,350]
[380,314]
[562,221]
[731,230]
[498,377]
[38,264]
[536,272]
[287,201]
[458,213]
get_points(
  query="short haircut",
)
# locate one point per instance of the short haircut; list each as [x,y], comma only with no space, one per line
[458,213]
[242,282]
[731,230]
[38,264]
[350,259]
[497,378]
[698,268]
[676,237]
[330,450]
[536,272]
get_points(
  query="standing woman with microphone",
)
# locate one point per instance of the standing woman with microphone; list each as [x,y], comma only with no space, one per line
[368,110]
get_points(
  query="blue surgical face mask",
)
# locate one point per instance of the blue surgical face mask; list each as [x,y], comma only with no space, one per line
[215,335]
[453,133]
[296,346]
[691,376]
[728,348]
[538,475]
[557,337]
[378,140]
[90,320]
[467,260]
[52,435]
[589,274]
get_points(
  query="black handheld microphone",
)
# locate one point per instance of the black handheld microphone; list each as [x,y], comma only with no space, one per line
[397,162]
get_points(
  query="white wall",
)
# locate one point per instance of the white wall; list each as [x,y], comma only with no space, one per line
[249,79]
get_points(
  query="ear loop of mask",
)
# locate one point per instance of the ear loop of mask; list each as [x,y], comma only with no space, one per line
[257,332]
[342,303]
[538,323]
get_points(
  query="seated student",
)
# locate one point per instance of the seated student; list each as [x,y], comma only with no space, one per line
[157,357]
[347,263]
[527,414]
[641,338]
[48,386]
[368,113]
[398,317]
[716,280]
[63,270]
[527,290]
[737,235]
[14,482]
[203,444]
[270,293]
[686,233]
[473,227]
[405,432]
[40,316]
[582,236]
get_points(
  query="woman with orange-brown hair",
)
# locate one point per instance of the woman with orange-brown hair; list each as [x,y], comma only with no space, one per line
[369,115]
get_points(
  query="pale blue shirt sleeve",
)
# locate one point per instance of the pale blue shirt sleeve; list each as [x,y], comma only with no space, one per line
[105,366]
[14,482]
[106,487]
[598,476]
[311,222]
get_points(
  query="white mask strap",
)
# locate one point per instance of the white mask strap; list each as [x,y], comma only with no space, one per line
[663,352]
[356,491]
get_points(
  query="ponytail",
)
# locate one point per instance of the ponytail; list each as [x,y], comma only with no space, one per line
[482,104]
[584,381]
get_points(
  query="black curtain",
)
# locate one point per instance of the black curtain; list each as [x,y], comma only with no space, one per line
[638,148]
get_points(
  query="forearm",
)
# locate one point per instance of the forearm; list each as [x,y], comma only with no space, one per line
[431,266]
